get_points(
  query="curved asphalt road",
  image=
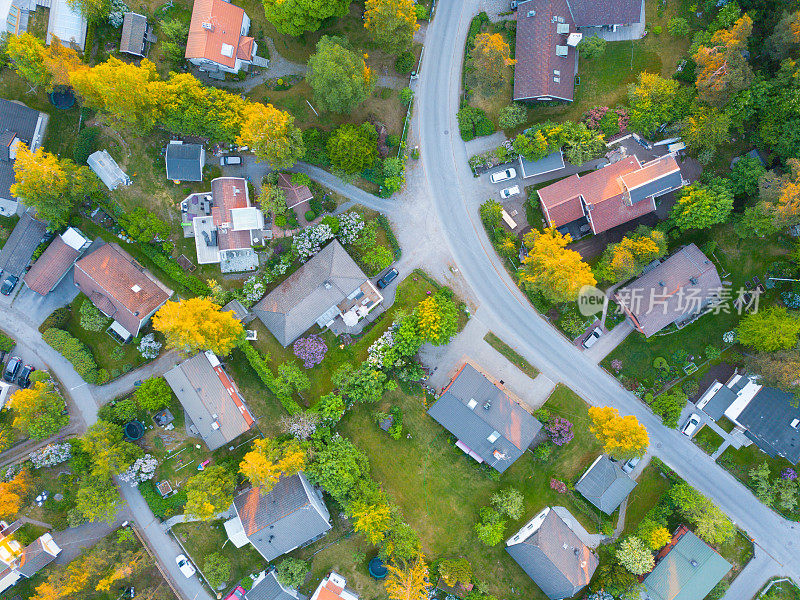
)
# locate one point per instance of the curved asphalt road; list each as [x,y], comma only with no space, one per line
[511,316]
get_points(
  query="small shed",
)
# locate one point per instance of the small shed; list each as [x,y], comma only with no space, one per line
[107,169]
[137,34]
[164,488]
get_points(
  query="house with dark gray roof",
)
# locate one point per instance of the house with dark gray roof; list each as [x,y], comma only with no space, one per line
[17,562]
[292,514]
[686,569]
[491,427]
[18,125]
[329,287]
[605,484]
[215,408]
[267,587]
[185,162]
[767,415]
[553,555]
[137,34]
[18,250]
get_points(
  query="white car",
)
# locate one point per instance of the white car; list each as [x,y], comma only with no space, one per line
[503,175]
[592,338]
[230,160]
[630,465]
[509,191]
[691,425]
[184,565]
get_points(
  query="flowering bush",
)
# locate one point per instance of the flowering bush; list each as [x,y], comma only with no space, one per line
[376,353]
[791,299]
[789,473]
[149,347]
[558,486]
[50,455]
[309,241]
[254,288]
[559,430]
[302,425]
[616,364]
[350,225]
[141,470]
[118,10]
[600,117]
[311,350]
[593,116]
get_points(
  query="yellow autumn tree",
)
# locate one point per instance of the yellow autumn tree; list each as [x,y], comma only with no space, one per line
[490,57]
[391,23]
[372,517]
[61,61]
[408,581]
[13,493]
[621,437]
[269,460]
[272,135]
[198,324]
[780,195]
[437,319]
[628,257]
[722,70]
[552,269]
[658,538]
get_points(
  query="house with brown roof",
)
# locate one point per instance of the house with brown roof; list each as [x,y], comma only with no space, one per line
[120,288]
[215,408]
[229,226]
[55,261]
[291,515]
[677,291]
[295,194]
[610,196]
[548,33]
[218,39]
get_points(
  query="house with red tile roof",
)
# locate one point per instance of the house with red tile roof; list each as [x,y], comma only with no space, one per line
[334,587]
[121,288]
[610,196]
[218,39]
[229,226]
[55,261]
[296,194]
[548,33]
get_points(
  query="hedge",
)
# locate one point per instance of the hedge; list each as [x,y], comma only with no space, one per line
[6,343]
[161,507]
[75,352]
[260,366]
[384,223]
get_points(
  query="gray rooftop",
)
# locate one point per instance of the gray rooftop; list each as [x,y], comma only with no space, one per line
[270,588]
[553,556]
[324,281]
[474,426]
[35,558]
[768,418]
[185,162]
[16,120]
[551,162]
[289,516]
[720,401]
[134,32]
[657,187]
[689,571]
[20,245]
[605,484]
[203,390]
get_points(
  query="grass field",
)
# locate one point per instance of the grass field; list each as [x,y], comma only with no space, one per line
[652,485]
[513,357]
[707,439]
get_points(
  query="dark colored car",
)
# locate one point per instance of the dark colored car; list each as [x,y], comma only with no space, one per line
[390,276]
[8,285]
[24,379]
[12,368]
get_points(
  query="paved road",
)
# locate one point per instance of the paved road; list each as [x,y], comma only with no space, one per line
[449,180]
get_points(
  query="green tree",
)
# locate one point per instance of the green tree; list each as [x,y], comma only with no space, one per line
[512,116]
[97,499]
[217,569]
[722,70]
[711,523]
[745,175]
[291,379]
[678,27]
[669,405]
[338,466]
[362,384]
[27,54]
[154,394]
[491,528]
[210,492]
[654,101]
[94,10]
[295,17]
[292,572]
[37,410]
[91,317]
[110,453]
[701,206]
[780,369]
[771,329]
[704,130]
[391,23]
[755,222]
[613,578]
[338,76]
[635,556]
[353,148]
[759,475]
[785,37]
[455,571]
[508,501]
[272,135]
[592,47]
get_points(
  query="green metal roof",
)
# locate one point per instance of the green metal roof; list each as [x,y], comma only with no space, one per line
[688,572]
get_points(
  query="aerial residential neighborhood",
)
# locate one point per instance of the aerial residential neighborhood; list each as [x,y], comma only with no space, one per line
[400,300]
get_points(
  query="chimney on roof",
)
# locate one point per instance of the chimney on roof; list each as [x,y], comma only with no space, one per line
[208,26]
[562,50]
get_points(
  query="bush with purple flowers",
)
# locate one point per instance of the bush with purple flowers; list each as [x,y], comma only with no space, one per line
[558,486]
[616,364]
[789,473]
[311,350]
[559,430]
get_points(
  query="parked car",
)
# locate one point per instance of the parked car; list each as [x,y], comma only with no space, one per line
[24,379]
[509,191]
[230,160]
[630,464]
[12,368]
[503,175]
[237,594]
[388,278]
[8,285]
[691,425]
[184,565]
[592,338]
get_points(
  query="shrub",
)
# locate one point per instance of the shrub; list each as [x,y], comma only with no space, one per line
[491,528]
[261,367]
[310,215]
[311,350]
[558,485]
[292,572]
[404,62]
[6,343]
[657,30]
[58,319]
[161,507]
[679,27]
[74,351]
[512,116]
[543,450]
[559,430]
[406,95]
[422,11]
[85,145]
[217,569]
[473,122]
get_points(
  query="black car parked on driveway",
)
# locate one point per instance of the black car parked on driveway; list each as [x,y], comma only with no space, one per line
[12,368]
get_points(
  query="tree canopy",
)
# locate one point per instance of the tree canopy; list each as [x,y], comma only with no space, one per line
[210,492]
[770,329]
[490,58]
[338,76]
[353,148]
[653,101]
[722,70]
[628,257]
[701,206]
[391,23]
[272,135]
[622,437]
[295,17]
[37,410]
[198,324]
[552,269]
[269,460]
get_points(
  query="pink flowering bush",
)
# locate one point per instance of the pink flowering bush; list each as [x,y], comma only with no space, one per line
[558,486]
[616,364]
[593,116]
[311,350]
[611,122]
[559,430]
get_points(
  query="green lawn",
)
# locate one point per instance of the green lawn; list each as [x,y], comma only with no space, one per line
[440,489]
[55,481]
[513,357]
[725,424]
[783,590]
[707,439]
[652,485]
